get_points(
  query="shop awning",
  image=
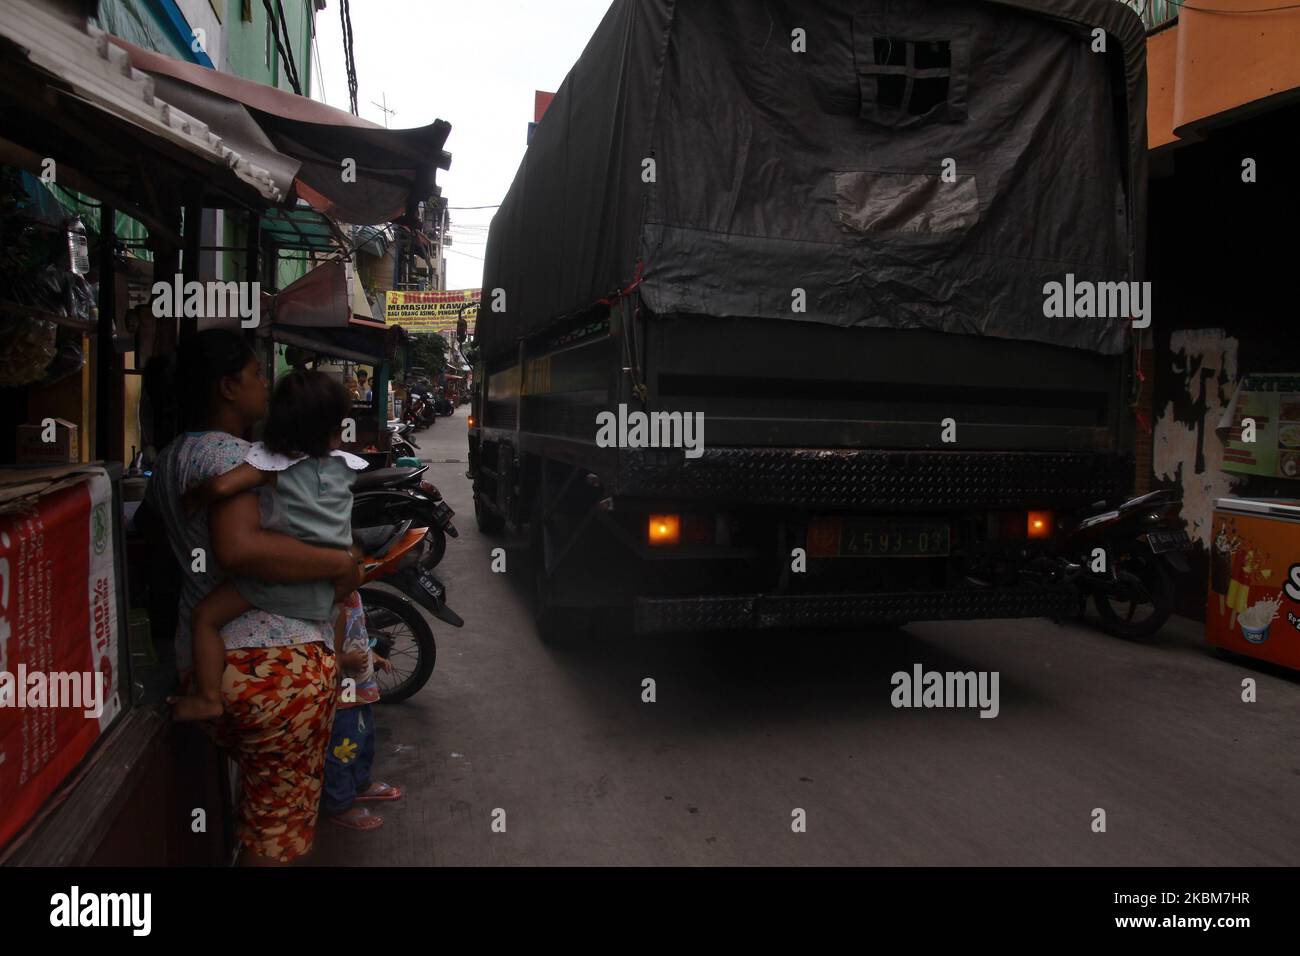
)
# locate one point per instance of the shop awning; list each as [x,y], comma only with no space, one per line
[302,229]
[325,297]
[320,313]
[104,102]
[322,297]
[350,344]
[304,143]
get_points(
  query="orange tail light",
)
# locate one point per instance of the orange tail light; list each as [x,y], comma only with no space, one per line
[664,531]
[1039,524]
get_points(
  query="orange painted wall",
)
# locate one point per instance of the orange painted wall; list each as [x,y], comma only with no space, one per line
[1211,64]
[1162,55]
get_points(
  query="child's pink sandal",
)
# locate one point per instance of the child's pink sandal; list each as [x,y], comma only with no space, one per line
[377,792]
[358,818]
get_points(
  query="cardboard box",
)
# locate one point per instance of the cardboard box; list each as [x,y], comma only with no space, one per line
[32,449]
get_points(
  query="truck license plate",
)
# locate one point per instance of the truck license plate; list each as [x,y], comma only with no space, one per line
[833,537]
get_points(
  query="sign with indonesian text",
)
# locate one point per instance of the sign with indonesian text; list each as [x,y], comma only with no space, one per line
[1272,403]
[424,312]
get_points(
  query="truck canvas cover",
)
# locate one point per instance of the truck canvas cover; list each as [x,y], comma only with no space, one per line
[730,152]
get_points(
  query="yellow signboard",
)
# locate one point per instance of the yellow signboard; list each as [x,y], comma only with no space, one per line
[425,312]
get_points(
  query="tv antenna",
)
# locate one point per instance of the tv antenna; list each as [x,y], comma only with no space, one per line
[384,108]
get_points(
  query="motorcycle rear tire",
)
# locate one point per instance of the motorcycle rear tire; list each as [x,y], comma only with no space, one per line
[437,546]
[1151,571]
[406,610]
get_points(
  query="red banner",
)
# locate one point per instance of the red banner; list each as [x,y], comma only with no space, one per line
[58,641]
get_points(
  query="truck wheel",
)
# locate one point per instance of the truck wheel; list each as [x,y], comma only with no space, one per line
[488,521]
[557,625]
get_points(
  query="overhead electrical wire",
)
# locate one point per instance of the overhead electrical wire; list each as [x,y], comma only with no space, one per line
[282,45]
[345,15]
[320,73]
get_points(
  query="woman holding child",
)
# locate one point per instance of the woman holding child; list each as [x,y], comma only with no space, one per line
[273,671]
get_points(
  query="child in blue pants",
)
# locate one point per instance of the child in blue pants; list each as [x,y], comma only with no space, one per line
[352,746]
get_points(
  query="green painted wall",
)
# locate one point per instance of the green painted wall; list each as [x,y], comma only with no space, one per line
[251,53]
[247,43]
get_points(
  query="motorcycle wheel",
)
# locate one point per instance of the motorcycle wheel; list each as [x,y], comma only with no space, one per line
[404,637]
[403,449]
[1121,616]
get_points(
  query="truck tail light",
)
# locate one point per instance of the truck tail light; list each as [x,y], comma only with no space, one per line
[469,421]
[664,531]
[1039,524]
[1022,525]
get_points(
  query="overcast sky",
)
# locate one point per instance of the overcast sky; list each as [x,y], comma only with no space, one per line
[473,63]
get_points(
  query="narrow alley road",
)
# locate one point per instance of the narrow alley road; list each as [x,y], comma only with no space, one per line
[747,728]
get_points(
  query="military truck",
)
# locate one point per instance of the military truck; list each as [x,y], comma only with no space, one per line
[764,337]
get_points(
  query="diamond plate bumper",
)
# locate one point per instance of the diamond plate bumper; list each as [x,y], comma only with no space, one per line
[877,480]
[747,611]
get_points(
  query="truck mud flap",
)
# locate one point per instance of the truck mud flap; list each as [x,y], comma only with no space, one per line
[733,612]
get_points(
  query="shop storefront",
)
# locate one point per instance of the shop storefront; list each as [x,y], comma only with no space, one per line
[112,159]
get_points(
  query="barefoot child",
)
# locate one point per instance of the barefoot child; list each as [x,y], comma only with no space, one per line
[309,496]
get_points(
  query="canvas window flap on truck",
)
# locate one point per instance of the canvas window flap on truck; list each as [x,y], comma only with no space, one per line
[821,232]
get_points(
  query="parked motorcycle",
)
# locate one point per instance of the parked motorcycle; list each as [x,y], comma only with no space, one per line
[400,553]
[428,410]
[1120,557]
[384,496]
[403,441]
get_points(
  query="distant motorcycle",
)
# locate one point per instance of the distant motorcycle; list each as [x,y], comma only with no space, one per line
[1120,557]
[428,410]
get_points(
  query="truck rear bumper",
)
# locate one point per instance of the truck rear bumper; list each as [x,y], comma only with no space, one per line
[748,611]
[879,480]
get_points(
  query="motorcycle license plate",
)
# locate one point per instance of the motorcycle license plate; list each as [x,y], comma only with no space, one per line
[833,537]
[431,587]
[1162,541]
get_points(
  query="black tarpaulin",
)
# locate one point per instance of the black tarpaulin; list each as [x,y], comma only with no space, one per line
[823,171]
